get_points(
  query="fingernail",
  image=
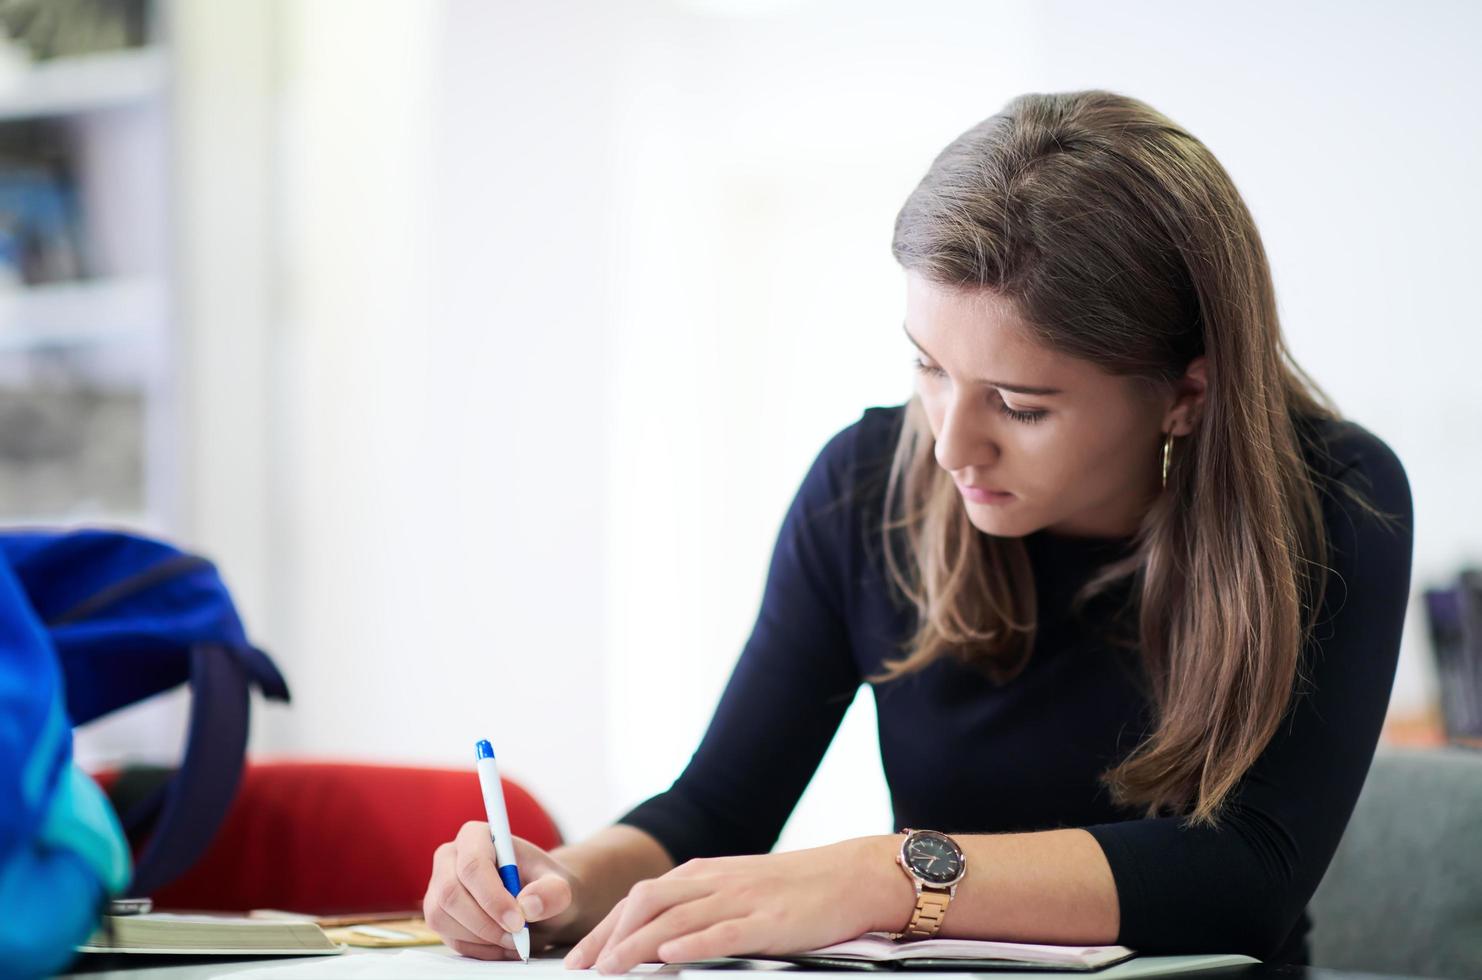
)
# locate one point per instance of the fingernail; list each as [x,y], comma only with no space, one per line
[512,921]
[606,964]
[532,905]
[571,958]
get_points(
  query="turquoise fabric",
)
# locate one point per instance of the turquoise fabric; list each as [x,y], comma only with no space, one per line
[82,821]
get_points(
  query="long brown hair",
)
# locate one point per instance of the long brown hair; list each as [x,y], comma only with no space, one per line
[1122,241]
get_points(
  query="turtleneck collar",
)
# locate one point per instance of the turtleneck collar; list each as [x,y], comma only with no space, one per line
[1069,545]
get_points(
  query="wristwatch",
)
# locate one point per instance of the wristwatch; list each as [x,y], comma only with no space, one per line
[935,865]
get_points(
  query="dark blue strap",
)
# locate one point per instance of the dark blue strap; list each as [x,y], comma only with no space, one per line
[263,672]
[194,803]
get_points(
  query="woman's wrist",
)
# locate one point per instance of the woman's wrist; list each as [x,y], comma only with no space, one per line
[601,870]
[885,892]
[590,900]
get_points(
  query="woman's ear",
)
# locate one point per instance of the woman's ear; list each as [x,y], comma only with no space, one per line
[1188,400]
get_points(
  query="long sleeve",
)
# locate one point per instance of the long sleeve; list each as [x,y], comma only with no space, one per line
[788,692]
[1243,887]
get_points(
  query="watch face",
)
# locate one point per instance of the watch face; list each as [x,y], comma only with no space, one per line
[935,857]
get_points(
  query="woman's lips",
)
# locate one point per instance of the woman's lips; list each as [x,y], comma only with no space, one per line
[984,495]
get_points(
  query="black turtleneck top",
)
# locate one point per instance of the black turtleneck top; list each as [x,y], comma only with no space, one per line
[964,755]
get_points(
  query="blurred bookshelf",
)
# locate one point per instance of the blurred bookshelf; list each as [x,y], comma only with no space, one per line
[88,429]
[80,84]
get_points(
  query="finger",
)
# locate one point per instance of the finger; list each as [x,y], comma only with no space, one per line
[729,937]
[465,913]
[675,922]
[479,951]
[649,899]
[474,864]
[584,953]
[544,897]
[460,918]
[450,910]
[451,930]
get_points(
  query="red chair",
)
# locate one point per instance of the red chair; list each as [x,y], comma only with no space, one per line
[340,837]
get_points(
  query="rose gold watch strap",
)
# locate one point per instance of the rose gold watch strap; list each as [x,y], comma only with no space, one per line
[926,919]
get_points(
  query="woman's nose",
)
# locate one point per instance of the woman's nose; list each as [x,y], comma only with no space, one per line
[963,439]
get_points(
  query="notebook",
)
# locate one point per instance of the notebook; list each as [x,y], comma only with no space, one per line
[362,929]
[877,951]
[206,935]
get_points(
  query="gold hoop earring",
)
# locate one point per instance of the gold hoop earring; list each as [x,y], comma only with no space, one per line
[1167,452]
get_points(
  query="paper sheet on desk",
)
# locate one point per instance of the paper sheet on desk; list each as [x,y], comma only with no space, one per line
[444,964]
[439,964]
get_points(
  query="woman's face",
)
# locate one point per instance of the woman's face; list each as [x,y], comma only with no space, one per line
[1077,451]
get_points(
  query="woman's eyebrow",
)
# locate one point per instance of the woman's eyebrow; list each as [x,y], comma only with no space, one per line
[1005,385]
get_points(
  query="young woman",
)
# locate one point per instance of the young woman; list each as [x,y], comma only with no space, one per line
[1127,589]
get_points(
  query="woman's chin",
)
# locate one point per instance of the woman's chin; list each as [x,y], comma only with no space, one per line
[994,521]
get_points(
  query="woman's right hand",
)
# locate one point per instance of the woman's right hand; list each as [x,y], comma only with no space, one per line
[469,907]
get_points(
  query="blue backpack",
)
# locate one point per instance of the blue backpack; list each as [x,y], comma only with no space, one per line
[91,621]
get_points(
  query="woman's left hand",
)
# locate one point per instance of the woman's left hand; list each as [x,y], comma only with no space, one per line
[731,906]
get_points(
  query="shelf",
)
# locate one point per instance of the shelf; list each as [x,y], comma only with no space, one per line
[81,312]
[85,83]
[135,522]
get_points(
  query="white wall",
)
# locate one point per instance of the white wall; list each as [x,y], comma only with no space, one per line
[769,156]
[571,294]
[1351,131]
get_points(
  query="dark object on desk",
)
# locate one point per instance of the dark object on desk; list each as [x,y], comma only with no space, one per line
[1454,614]
[931,964]
[1403,893]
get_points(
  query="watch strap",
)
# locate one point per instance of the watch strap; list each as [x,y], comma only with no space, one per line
[926,918]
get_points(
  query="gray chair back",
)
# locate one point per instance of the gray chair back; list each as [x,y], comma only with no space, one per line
[1404,891]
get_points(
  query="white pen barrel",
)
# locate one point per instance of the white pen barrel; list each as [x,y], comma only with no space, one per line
[493,790]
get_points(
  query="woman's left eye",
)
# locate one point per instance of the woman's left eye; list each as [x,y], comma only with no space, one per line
[1019,416]
[1029,417]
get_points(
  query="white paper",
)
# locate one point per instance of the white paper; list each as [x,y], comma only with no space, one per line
[439,963]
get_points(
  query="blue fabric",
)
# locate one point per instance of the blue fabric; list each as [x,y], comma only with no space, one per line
[50,901]
[91,621]
[61,848]
[152,630]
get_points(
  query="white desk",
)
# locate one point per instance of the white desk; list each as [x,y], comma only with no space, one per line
[355,962]
[441,963]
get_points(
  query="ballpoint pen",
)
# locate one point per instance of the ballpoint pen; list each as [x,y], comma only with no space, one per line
[504,844]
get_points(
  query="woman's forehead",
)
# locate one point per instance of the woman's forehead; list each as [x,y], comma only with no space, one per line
[981,336]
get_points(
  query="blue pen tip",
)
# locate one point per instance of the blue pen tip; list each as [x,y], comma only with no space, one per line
[484,749]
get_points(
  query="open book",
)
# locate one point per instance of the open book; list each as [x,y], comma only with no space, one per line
[162,932]
[876,951]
